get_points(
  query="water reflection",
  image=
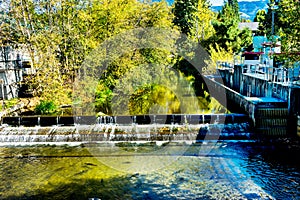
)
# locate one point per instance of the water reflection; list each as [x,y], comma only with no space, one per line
[232,170]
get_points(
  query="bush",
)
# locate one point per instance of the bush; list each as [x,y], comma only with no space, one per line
[45,107]
[217,53]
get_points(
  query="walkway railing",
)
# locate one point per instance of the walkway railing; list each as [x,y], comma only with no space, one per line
[280,75]
[262,71]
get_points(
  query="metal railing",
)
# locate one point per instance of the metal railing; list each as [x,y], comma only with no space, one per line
[279,75]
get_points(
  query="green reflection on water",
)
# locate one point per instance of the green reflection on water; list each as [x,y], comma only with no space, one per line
[61,173]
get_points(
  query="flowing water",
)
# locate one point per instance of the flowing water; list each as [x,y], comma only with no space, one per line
[208,170]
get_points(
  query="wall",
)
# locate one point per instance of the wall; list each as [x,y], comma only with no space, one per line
[270,118]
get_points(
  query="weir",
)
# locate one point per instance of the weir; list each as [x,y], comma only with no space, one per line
[175,127]
[180,119]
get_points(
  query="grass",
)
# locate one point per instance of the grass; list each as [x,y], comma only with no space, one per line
[9,103]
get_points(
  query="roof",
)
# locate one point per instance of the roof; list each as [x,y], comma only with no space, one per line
[252,53]
[270,44]
[253,26]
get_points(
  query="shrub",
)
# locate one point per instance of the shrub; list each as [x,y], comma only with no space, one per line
[45,107]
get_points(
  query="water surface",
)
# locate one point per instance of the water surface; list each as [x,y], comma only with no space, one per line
[227,170]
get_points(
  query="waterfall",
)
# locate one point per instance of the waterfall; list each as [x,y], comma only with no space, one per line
[125,128]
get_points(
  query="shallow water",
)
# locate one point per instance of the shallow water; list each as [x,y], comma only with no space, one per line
[223,170]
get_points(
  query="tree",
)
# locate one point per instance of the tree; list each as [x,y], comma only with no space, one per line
[185,15]
[228,35]
[50,33]
[261,18]
[235,7]
[193,17]
[289,14]
[203,29]
[272,15]
[114,24]
[61,35]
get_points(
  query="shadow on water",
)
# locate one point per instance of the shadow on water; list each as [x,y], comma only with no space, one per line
[114,188]
[126,187]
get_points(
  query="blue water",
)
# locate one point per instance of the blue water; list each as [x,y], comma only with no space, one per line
[275,168]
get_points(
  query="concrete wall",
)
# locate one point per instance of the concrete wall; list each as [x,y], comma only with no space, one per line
[253,84]
[268,118]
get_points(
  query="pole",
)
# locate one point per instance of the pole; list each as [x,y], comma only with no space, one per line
[272,33]
[2,91]
[273,8]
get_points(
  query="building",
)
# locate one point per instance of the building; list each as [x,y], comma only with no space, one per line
[252,26]
[14,64]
